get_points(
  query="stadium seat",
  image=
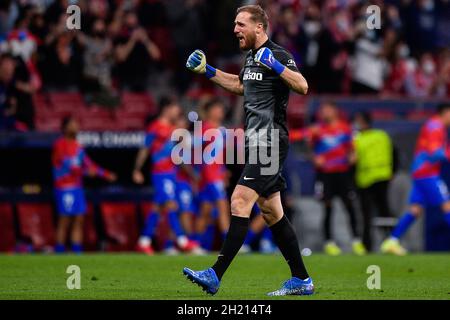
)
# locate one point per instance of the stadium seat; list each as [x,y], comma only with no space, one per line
[419,115]
[130,123]
[138,102]
[41,101]
[98,123]
[7,234]
[50,124]
[66,102]
[163,230]
[382,114]
[36,224]
[120,225]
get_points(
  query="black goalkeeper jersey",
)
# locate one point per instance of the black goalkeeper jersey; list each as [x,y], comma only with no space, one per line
[265,94]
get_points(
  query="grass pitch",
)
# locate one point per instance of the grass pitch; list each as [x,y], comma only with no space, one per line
[133,276]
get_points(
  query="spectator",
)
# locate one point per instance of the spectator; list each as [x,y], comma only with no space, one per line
[8,101]
[288,32]
[421,17]
[63,62]
[9,12]
[133,51]
[311,29]
[97,64]
[368,63]
[441,86]
[400,68]
[420,82]
[187,33]
[334,52]
[17,89]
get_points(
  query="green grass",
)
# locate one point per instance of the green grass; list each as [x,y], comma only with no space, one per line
[132,276]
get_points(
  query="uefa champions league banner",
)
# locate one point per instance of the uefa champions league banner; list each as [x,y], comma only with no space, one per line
[106,139]
[109,139]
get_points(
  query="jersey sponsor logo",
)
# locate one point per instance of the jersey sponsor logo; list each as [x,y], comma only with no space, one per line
[253,76]
[248,178]
[291,63]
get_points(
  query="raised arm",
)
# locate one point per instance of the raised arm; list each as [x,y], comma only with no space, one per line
[294,80]
[230,82]
[283,64]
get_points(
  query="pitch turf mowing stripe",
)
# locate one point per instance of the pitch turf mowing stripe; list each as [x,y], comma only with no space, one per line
[132,276]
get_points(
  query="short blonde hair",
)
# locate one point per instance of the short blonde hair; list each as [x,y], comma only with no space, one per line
[257,14]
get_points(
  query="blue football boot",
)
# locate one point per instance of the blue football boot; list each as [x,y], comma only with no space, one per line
[207,279]
[295,286]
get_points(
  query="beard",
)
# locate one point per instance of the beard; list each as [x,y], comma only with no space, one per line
[249,42]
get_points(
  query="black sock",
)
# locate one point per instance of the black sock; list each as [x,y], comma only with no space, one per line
[327,222]
[285,238]
[233,242]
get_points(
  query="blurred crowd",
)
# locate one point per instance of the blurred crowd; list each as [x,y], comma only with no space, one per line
[138,45]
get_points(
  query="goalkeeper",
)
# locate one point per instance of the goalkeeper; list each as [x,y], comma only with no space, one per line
[268,74]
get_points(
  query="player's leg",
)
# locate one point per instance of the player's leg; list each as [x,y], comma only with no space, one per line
[283,233]
[182,241]
[76,236]
[366,202]
[328,193]
[151,222]
[419,197]
[446,210]
[80,207]
[286,240]
[203,219]
[185,199]
[186,222]
[206,207]
[347,194]
[242,201]
[218,194]
[441,196]
[380,195]
[417,201]
[392,244]
[65,206]
[62,229]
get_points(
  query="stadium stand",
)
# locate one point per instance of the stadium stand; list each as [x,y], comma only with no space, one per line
[120,224]
[36,224]
[7,229]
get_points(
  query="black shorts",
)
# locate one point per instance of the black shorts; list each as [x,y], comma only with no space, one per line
[264,184]
[339,184]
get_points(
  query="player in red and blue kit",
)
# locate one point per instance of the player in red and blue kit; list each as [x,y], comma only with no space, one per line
[332,145]
[428,189]
[186,186]
[70,163]
[159,145]
[213,174]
